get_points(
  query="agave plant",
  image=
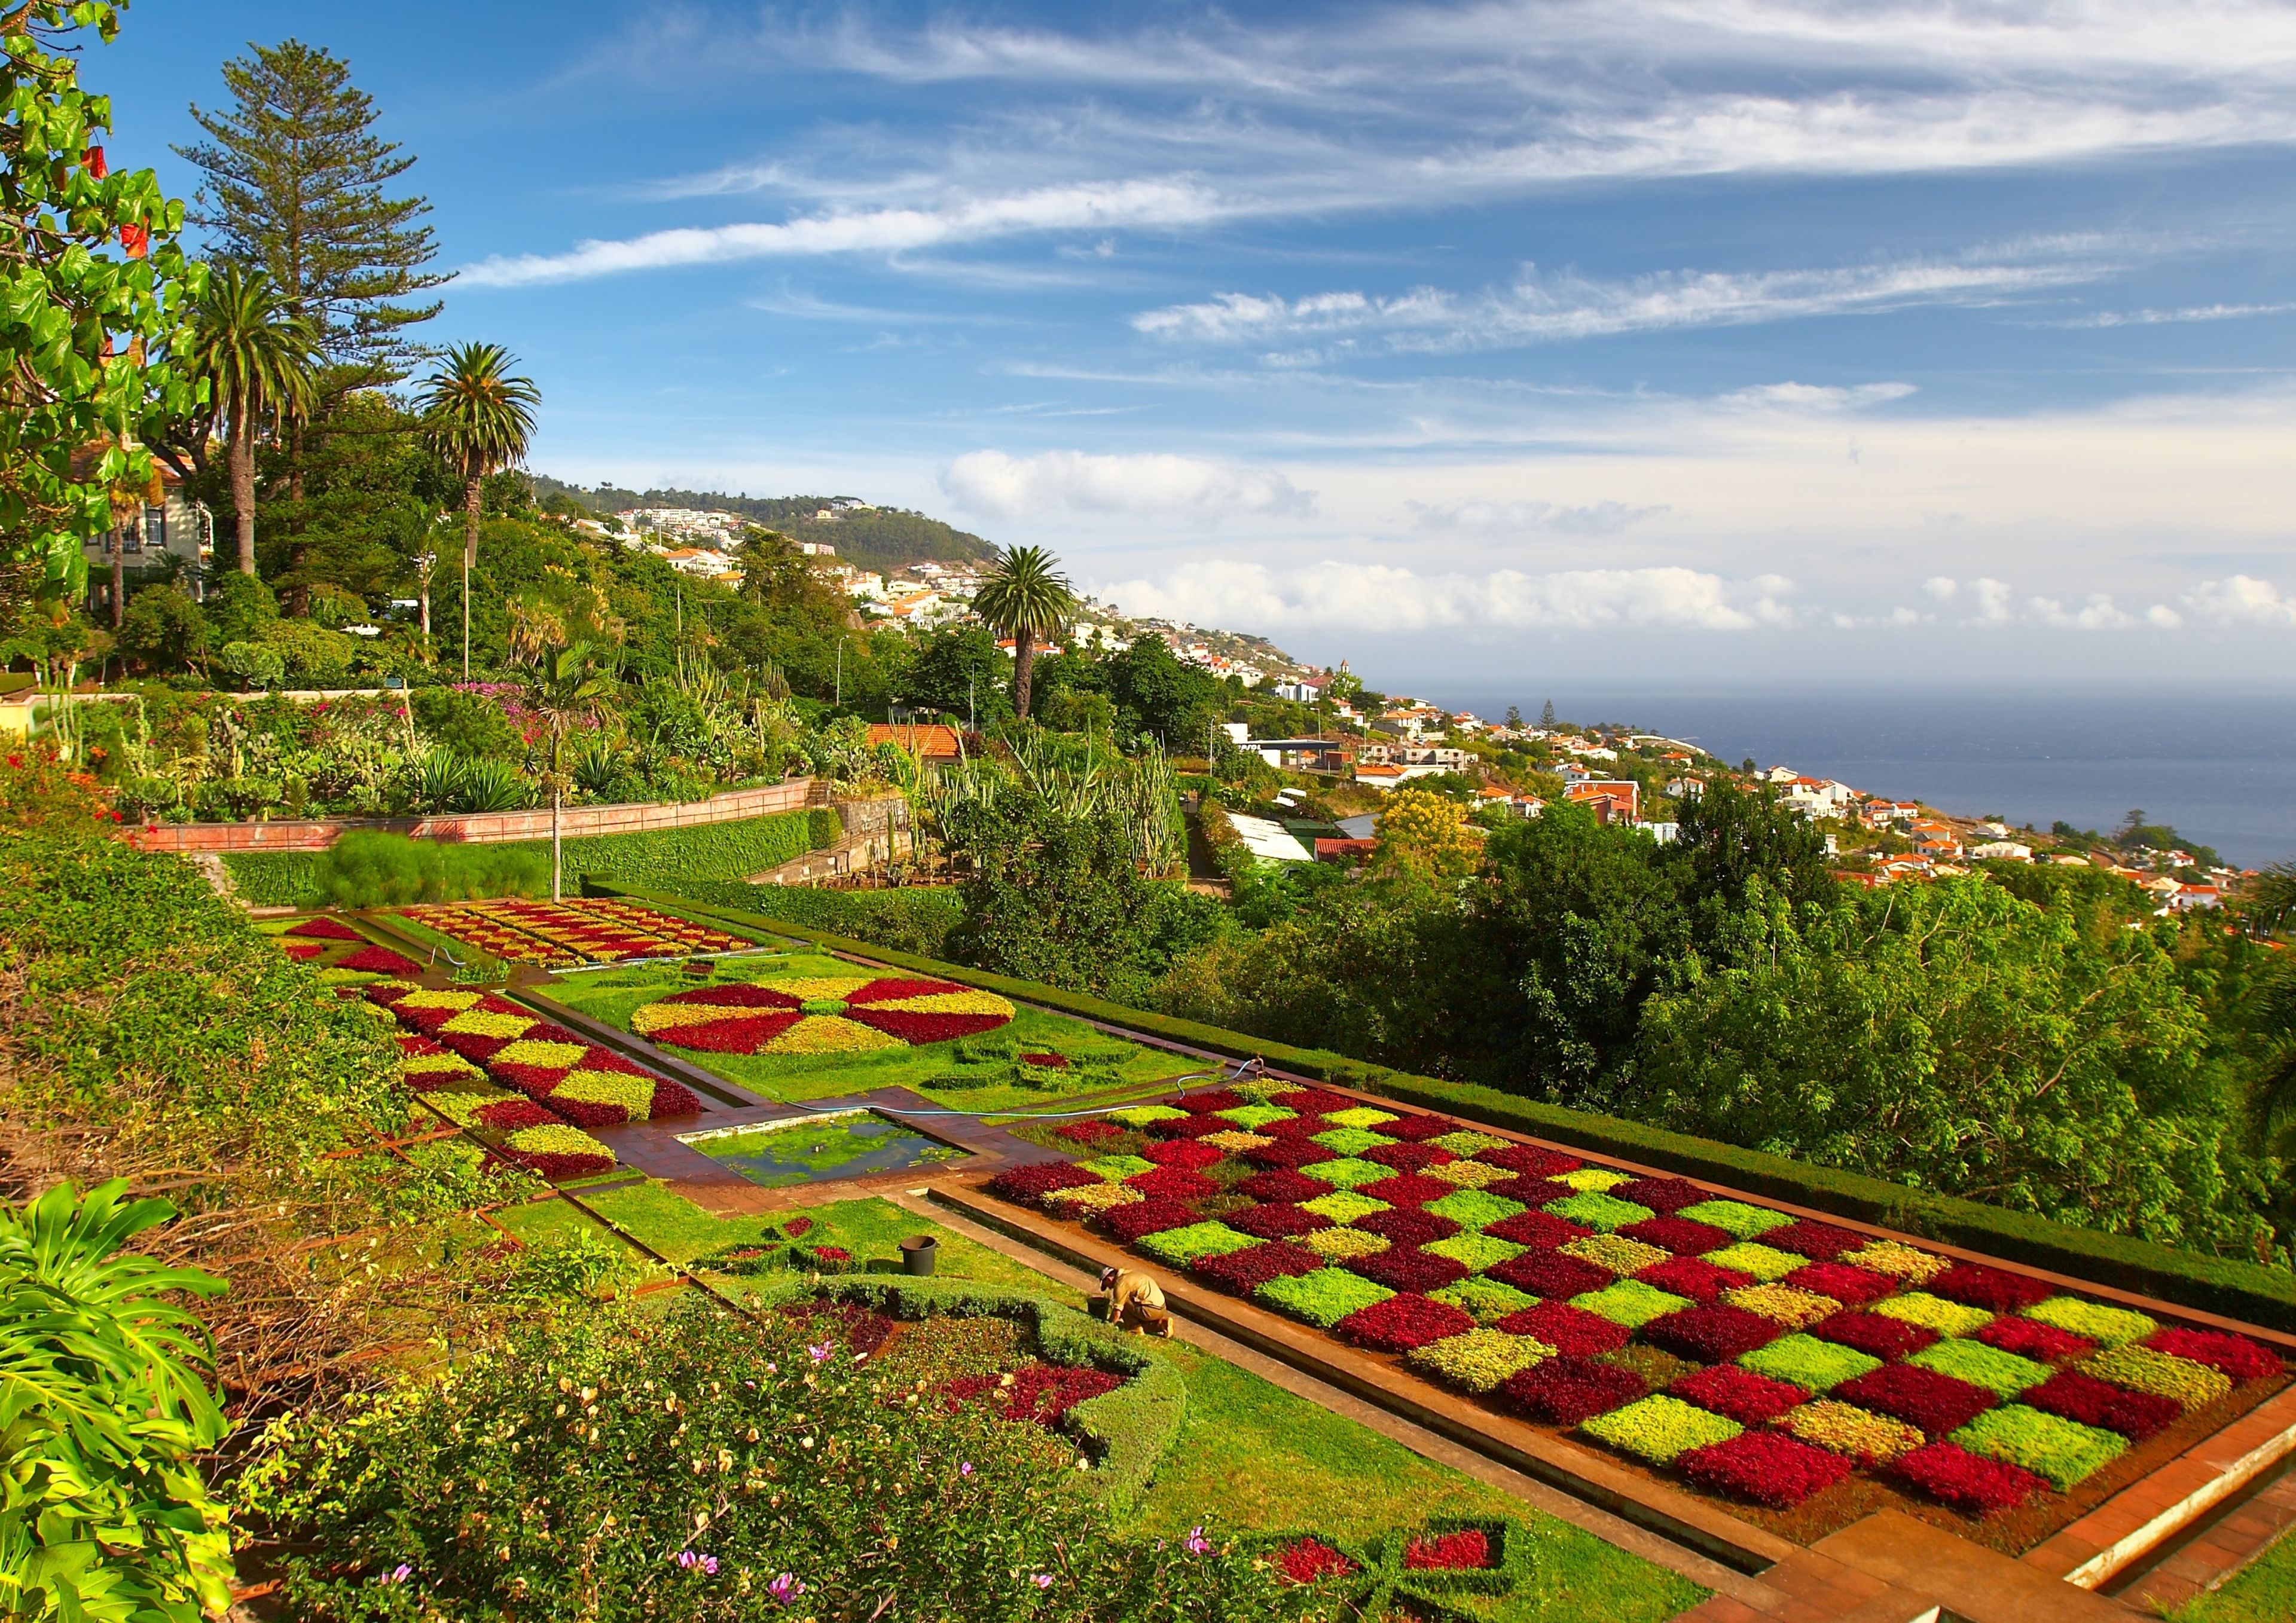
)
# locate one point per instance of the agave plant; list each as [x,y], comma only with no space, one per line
[104,1404]
[595,767]
[490,785]
[436,779]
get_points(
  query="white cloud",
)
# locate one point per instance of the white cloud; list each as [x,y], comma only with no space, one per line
[2241,600]
[1818,396]
[2153,319]
[2097,614]
[1384,597]
[1992,600]
[1940,586]
[2162,617]
[1007,486]
[1539,309]
[1598,519]
[1088,208]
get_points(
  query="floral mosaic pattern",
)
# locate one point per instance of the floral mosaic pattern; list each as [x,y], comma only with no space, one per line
[820,1014]
[1803,1354]
[583,930]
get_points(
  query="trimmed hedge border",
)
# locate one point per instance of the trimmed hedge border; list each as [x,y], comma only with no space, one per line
[2236,1289]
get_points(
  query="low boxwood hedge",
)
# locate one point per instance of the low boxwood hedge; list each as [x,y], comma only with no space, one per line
[2237,1289]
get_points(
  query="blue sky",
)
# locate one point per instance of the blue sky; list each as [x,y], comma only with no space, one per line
[1741,340]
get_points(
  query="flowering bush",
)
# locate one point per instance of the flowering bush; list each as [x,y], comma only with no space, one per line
[1132,1222]
[2003,1375]
[2030,1339]
[1403,1267]
[1028,1185]
[2231,1355]
[1810,1363]
[1407,1225]
[1323,1297]
[1678,1234]
[1870,1332]
[1715,1334]
[1947,1318]
[1567,1389]
[558,1152]
[2143,1369]
[2064,1451]
[1847,1430]
[2136,1416]
[1402,1322]
[1245,1271]
[1658,1428]
[1740,1394]
[1278,1222]
[1185,1245]
[1922,1397]
[1694,1277]
[1852,1287]
[1629,1302]
[1762,1466]
[1953,1476]
[1478,1360]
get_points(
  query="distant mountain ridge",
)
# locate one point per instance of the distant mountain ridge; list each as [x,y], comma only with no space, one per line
[869,537]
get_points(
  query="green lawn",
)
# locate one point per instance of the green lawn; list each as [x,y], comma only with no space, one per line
[933,1070]
[2263,1591]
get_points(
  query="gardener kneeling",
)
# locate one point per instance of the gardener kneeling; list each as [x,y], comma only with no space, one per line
[1135,1301]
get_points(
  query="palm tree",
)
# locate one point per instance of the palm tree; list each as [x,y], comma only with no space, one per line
[256,356]
[1026,598]
[480,421]
[566,688]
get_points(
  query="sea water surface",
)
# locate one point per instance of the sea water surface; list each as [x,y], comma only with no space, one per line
[2219,767]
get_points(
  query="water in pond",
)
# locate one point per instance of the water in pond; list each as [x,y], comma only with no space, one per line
[812,1150]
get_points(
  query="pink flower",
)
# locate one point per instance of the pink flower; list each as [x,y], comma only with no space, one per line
[821,1353]
[1195,1543]
[1043,1580]
[784,1588]
[965,1470]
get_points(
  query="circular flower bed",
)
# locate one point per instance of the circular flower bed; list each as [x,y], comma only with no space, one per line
[820,1014]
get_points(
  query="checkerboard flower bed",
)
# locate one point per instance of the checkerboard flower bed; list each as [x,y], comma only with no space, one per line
[379,961]
[819,1014]
[1763,1467]
[1028,1185]
[577,930]
[558,1152]
[577,1083]
[302,950]
[324,929]
[1791,1353]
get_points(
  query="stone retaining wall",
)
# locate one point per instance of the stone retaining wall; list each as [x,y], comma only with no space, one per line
[486,828]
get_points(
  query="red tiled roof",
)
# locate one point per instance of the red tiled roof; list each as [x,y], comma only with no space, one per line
[938,743]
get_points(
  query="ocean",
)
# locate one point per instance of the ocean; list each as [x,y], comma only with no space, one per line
[2219,767]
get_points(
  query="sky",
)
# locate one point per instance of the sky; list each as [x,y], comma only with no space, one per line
[1785,342]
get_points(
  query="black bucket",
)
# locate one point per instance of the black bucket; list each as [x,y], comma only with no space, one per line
[917,1254]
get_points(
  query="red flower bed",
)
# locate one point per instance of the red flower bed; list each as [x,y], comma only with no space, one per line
[1188,1127]
[743,995]
[302,949]
[798,1228]
[2136,1416]
[911,1026]
[1663,1195]
[1950,1474]
[1713,1334]
[1739,1394]
[1407,1225]
[2031,1339]
[1701,1281]
[1529,1190]
[1408,1188]
[1992,1289]
[1681,1235]
[535,1081]
[1851,1286]
[1565,1390]
[1404,1321]
[587,1112]
[427,1021]
[2236,1355]
[1322,1102]
[1028,1185]
[1922,1397]
[1282,1187]
[1871,1333]
[1173,1184]
[1418,1129]
[1129,1222]
[1046,1062]
[1245,1271]
[1468,1550]
[544,1031]
[1550,1274]
[1039,1392]
[1819,1241]
[1536,1228]
[325,929]
[1191,1154]
[1210,1099]
[380,960]
[1566,1329]
[1528,1159]
[1286,1153]
[414,1041]
[558,1166]
[1766,1467]
[1404,1267]
[509,1115]
[1292,1128]
[1280,1221]
[1408,1158]
[673,1098]
[387,992]
[473,1047]
[1310,1560]
[1088,1132]
[744,1034]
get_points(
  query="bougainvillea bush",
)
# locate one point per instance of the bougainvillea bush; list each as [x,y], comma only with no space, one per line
[1792,1354]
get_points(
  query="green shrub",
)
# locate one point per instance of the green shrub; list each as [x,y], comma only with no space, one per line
[1322,1299]
[1630,1302]
[1658,1428]
[1600,1211]
[1810,1363]
[1484,1300]
[2064,1451]
[2003,1375]
[2095,1320]
[1185,1245]
[1736,1217]
[369,869]
[913,919]
[1476,1208]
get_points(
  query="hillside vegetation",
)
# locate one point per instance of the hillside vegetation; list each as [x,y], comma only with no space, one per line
[871,537]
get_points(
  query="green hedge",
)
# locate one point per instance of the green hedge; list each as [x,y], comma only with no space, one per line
[915,918]
[1127,1432]
[699,855]
[2217,1284]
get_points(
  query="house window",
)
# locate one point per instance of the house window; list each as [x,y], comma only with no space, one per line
[155,528]
[128,537]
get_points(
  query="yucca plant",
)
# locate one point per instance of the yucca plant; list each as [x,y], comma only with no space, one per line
[490,785]
[438,778]
[103,1405]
